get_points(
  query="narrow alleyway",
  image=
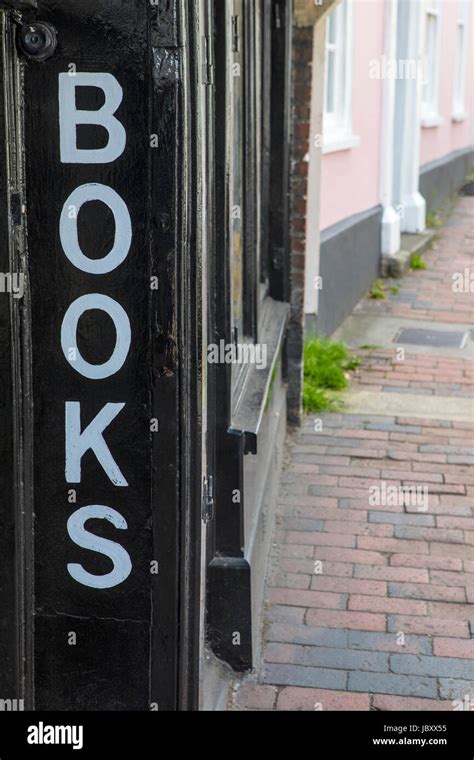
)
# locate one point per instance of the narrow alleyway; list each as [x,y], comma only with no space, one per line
[370,606]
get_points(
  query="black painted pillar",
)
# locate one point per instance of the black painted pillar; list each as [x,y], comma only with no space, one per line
[100,417]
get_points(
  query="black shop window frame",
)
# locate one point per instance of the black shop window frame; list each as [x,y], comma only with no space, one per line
[254,33]
[252,253]
[237,401]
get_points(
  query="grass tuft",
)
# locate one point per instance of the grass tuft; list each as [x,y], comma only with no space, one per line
[433,220]
[378,291]
[326,367]
[417,263]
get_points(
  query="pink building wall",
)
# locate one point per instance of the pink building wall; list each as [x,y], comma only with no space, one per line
[351,178]
[350,181]
[450,136]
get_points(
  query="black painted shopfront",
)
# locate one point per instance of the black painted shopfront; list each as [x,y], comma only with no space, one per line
[144,183]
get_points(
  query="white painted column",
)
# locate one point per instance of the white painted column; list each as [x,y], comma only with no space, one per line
[410,42]
[391,218]
[313,207]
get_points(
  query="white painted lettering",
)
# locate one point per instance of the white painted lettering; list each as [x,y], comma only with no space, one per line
[70,117]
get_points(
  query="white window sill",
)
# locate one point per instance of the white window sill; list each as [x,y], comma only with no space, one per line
[341,142]
[431,120]
[459,116]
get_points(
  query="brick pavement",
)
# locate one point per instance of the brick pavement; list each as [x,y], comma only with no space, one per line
[370,591]
[417,373]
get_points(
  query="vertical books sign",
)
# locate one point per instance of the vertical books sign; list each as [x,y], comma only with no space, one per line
[104,365]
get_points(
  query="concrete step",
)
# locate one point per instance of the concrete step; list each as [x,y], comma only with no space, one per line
[398,264]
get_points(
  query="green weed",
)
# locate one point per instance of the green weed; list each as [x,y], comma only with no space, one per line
[326,367]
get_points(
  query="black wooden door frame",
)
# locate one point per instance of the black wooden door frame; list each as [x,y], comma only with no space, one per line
[192,373]
[173,34]
[281,135]
[16,588]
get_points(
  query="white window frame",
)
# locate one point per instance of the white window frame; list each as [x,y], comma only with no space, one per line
[430,116]
[337,129]
[460,66]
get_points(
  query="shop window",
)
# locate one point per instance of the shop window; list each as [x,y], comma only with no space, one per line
[247,156]
[250,265]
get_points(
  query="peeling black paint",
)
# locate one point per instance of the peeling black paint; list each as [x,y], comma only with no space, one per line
[167,69]
[164,24]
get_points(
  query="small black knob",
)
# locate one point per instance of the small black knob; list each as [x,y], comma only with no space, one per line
[37,41]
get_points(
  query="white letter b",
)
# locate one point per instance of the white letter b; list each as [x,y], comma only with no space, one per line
[70,117]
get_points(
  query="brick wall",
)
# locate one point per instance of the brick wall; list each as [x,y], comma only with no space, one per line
[301,117]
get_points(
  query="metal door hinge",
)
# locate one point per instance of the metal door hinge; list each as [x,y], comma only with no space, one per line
[208,499]
[207,62]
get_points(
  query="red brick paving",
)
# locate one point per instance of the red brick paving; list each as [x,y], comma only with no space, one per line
[370,606]
[418,373]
